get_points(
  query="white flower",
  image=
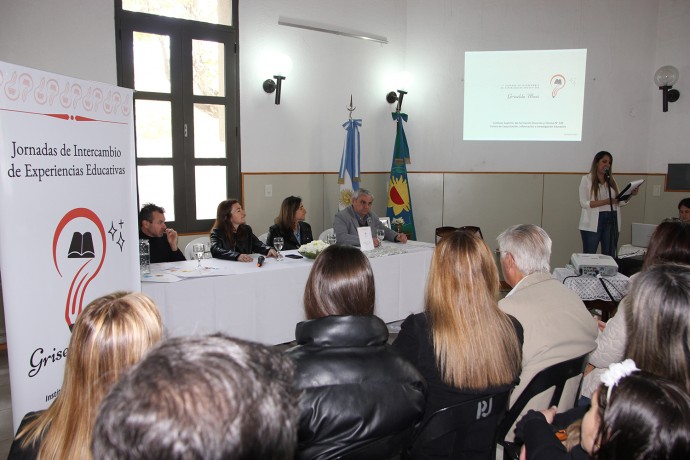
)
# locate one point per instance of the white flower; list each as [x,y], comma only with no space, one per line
[398,220]
[314,247]
[617,371]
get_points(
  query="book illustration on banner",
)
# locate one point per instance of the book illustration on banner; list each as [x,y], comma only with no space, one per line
[628,190]
[81,246]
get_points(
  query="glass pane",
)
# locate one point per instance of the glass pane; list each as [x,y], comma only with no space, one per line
[211,189]
[213,11]
[154,129]
[151,62]
[156,186]
[209,131]
[208,65]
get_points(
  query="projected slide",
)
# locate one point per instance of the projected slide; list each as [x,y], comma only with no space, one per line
[524,95]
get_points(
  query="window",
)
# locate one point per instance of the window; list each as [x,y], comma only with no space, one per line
[183,70]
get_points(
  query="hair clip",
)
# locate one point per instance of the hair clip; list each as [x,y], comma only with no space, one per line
[615,372]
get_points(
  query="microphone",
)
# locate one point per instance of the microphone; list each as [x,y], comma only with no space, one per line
[260,262]
[607,173]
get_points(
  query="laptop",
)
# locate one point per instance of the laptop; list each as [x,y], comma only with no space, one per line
[641,233]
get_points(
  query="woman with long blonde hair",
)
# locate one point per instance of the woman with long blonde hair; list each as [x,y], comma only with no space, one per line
[463,344]
[110,335]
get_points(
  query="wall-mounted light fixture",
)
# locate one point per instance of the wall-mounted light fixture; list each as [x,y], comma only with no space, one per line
[665,78]
[404,79]
[282,64]
[392,97]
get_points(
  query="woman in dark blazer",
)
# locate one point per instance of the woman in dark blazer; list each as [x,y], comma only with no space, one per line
[232,238]
[290,225]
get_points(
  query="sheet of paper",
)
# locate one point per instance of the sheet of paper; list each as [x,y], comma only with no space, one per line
[366,242]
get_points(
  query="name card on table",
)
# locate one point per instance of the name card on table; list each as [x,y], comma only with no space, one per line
[366,242]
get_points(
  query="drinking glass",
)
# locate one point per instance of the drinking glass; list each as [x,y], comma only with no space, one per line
[380,235]
[198,250]
[278,244]
[331,239]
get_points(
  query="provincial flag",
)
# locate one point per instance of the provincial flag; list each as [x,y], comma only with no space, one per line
[399,201]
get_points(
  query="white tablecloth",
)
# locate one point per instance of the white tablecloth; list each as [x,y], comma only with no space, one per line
[589,287]
[263,304]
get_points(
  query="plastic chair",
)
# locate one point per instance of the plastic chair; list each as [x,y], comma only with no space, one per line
[263,237]
[325,233]
[553,376]
[471,424]
[188,252]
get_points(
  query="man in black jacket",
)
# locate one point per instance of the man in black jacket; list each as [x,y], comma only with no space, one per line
[163,240]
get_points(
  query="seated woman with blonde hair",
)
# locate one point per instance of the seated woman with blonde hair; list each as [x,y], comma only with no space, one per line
[110,335]
[463,344]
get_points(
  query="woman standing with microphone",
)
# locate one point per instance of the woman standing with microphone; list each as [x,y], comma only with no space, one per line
[600,220]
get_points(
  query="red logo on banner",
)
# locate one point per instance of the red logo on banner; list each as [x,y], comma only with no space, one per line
[81,247]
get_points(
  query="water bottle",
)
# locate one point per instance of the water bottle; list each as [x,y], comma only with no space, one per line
[144,256]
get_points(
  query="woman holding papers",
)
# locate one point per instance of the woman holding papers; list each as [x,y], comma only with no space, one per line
[232,238]
[600,220]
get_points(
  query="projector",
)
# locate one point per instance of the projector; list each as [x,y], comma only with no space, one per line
[594,264]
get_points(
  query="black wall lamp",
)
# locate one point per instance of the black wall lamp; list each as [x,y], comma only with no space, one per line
[392,97]
[665,78]
[270,86]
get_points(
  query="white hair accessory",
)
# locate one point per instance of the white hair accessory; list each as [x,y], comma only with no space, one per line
[615,372]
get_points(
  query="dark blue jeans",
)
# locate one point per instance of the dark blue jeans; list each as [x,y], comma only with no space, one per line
[606,234]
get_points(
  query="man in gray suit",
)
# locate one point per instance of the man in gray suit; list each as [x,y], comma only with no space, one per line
[557,326]
[359,214]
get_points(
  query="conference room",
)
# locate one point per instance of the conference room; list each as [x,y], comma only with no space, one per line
[456,178]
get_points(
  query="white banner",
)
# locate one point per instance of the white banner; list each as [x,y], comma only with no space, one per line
[68,210]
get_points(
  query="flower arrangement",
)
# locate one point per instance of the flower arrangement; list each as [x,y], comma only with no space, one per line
[397,223]
[311,250]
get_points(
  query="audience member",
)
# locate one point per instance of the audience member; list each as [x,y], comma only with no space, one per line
[557,326]
[359,214]
[670,243]
[110,335]
[355,388]
[232,238]
[463,344]
[684,210]
[194,398]
[162,240]
[658,326]
[634,415]
[290,225]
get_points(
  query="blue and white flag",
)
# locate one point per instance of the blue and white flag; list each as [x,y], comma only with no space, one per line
[349,175]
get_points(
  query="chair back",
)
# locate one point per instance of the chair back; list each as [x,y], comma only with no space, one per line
[263,237]
[553,376]
[388,447]
[188,250]
[469,429]
[325,233]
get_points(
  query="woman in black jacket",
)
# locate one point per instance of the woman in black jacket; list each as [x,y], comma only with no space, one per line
[290,225]
[232,238]
[356,389]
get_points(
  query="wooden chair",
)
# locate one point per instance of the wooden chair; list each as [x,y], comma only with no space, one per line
[553,376]
[444,231]
[469,429]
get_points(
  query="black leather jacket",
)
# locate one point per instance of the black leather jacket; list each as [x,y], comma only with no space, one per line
[221,249]
[356,388]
